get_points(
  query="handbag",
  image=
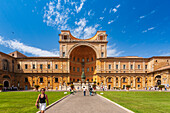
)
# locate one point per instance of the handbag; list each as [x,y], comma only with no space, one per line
[38,106]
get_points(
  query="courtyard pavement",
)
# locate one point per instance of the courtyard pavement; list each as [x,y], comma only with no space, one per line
[85,104]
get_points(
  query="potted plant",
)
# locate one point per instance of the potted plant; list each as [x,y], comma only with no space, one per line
[1,86]
[128,86]
[36,87]
[161,86]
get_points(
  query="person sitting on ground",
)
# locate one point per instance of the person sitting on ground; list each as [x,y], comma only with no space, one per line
[41,100]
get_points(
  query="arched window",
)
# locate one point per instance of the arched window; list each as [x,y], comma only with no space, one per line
[6,76]
[5,64]
[109,80]
[124,79]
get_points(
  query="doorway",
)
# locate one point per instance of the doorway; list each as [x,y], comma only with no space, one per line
[109,87]
[6,84]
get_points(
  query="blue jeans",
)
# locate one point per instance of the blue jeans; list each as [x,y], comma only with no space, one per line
[84,93]
[90,93]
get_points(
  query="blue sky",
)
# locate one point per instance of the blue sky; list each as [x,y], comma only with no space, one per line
[134,27]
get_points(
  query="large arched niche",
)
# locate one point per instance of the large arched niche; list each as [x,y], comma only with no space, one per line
[83,44]
[82,58]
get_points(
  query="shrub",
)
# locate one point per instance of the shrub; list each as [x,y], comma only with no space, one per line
[128,86]
[36,86]
[161,86]
[1,85]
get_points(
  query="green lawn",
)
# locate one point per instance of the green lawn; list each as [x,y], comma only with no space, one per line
[24,102]
[141,102]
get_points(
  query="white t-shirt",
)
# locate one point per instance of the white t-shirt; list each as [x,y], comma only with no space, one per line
[84,89]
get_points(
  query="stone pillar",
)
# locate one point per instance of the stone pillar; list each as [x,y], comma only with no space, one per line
[143,82]
[134,82]
[114,81]
[36,80]
[105,81]
[128,80]
[51,81]
[152,80]
[119,81]
[47,82]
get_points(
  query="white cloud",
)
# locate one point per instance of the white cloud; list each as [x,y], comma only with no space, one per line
[16,45]
[112,51]
[90,13]
[104,10]
[57,14]
[144,16]
[111,21]
[151,28]
[166,54]
[78,9]
[118,6]
[101,18]
[114,9]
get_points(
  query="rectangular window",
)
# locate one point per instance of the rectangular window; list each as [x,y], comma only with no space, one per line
[124,79]
[91,68]
[18,66]
[87,59]
[116,66]
[87,69]
[102,54]
[146,66]
[77,80]
[73,58]
[63,54]
[26,66]
[48,66]
[78,69]
[56,66]
[33,66]
[91,58]
[41,79]
[56,79]
[26,79]
[77,59]
[109,79]
[73,68]
[73,80]
[131,66]
[138,79]
[124,66]
[138,66]
[109,66]
[41,66]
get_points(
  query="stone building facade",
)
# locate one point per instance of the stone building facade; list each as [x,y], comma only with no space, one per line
[88,55]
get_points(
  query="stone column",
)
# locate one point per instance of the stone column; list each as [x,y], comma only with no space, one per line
[119,81]
[128,80]
[105,81]
[134,82]
[51,81]
[114,81]
[152,80]
[143,82]
[36,80]
[47,82]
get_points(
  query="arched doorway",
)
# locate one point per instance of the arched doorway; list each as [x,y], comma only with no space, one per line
[6,84]
[82,58]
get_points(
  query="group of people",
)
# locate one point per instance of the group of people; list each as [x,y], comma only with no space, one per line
[92,91]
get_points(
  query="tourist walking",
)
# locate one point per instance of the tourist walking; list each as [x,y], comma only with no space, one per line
[90,90]
[41,101]
[84,91]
